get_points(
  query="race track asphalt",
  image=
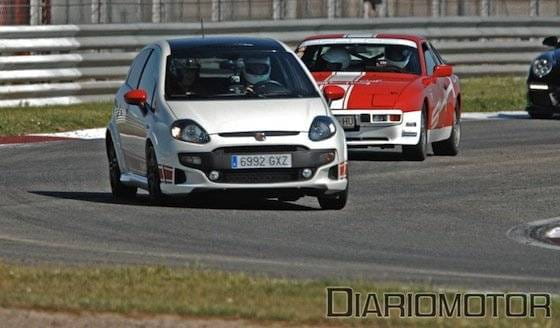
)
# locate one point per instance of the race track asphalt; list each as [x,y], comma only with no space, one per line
[443,221]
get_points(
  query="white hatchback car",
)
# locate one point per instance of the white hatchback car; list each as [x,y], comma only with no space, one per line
[225,113]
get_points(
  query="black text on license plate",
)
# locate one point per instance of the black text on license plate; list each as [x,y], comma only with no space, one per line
[261,161]
[347,121]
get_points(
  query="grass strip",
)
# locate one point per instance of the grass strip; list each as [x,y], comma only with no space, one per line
[481,94]
[197,292]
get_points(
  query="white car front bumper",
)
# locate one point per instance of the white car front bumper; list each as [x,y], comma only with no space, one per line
[380,133]
[184,178]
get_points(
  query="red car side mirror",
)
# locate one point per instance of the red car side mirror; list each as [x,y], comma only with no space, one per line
[136,97]
[333,92]
[443,71]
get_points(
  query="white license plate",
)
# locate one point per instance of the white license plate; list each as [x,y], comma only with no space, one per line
[261,161]
[347,121]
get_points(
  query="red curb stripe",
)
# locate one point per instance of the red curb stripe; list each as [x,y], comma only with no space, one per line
[555,240]
[28,139]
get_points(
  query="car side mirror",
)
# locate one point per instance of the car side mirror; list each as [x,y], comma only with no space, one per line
[136,97]
[551,41]
[333,92]
[443,71]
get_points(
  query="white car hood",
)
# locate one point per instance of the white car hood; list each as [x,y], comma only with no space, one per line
[221,116]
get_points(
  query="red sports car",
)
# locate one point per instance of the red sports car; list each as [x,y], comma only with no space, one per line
[388,90]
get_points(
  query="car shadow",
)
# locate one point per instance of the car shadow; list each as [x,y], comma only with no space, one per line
[222,201]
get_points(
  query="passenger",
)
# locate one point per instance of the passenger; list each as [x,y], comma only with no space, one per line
[335,59]
[186,78]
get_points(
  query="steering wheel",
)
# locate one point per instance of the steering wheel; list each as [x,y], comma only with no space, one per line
[270,85]
[264,84]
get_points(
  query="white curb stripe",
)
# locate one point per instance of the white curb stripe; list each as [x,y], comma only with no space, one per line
[511,115]
[88,134]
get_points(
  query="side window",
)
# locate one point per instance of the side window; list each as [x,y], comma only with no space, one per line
[150,75]
[430,60]
[439,58]
[136,68]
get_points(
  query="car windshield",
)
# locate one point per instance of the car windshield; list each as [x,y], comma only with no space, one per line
[361,58]
[219,74]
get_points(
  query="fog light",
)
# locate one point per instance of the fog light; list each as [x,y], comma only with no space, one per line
[307,173]
[214,175]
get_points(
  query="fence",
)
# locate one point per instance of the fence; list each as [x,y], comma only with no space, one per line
[70,63]
[44,12]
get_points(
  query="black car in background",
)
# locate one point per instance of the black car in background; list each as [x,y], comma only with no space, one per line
[543,84]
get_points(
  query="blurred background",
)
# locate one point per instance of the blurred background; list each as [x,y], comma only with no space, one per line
[45,12]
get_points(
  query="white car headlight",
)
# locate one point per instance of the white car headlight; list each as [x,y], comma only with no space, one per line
[322,128]
[542,67]
[189,131]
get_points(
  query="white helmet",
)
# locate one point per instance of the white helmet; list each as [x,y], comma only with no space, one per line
[337,56]
[256,69]
[397,55]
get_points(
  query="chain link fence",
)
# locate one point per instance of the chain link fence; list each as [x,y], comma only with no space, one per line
[39,12]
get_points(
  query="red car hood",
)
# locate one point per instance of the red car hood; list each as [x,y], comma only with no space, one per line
[366,90]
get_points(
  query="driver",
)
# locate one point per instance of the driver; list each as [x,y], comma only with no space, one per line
[397,55]
[256,70]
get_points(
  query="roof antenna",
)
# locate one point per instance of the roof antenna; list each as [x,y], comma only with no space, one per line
[202,27]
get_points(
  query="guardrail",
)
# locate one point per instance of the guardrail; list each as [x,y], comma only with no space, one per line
[70,63]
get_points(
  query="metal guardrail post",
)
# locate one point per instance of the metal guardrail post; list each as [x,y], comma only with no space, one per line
[34,12]
[436,8]
[94,11]
[534,7]
[485,8]
[382,9]
[216,10]
[278,7]
[331,9]
[291,9]
[156,11]
[103,12]
[391,8]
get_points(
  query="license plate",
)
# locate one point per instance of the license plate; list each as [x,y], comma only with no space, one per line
[261,161]
[347,122]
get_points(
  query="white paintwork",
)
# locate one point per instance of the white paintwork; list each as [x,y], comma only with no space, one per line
[396,133]
[538,86]
[553,233]
[370,40]
[262,115]
[218,116]
[439,134]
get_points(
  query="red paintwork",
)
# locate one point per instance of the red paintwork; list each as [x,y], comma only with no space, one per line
[333,92]
[135,97]
[443,71]
[407,92]
[4,140]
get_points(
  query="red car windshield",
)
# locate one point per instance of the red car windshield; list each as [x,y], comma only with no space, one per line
[361,58]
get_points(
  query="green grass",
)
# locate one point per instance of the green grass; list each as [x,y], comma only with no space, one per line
[195,292]
[26,120]
[479,95]
[491,93]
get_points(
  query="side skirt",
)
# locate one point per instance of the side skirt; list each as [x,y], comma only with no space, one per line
[134,180]
[439,134]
